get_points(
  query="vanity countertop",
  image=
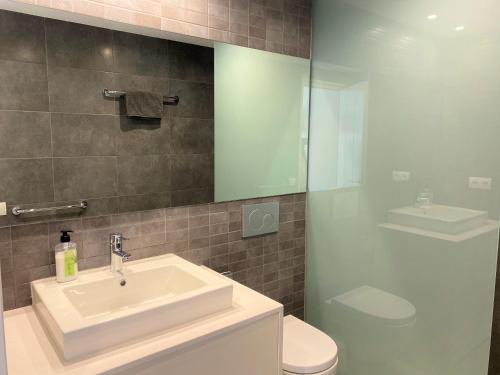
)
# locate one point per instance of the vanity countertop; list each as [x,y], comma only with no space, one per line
[29,350]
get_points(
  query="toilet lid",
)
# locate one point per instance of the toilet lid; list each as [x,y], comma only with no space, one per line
[378,304]
[306,350]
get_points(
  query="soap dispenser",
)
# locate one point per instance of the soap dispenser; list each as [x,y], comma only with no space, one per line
[66,258]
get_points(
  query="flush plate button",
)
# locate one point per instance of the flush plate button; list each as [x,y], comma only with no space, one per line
[261,218]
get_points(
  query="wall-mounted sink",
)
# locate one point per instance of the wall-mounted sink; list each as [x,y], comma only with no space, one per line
[439,218]
[97,312]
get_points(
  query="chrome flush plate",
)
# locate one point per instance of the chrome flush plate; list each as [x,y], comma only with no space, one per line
[261,218]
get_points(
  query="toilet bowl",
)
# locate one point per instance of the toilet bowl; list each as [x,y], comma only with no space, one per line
[307,350]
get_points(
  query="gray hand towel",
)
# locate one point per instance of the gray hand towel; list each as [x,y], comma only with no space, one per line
[144,104]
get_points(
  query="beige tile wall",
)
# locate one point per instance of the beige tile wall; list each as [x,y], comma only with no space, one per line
[281,26]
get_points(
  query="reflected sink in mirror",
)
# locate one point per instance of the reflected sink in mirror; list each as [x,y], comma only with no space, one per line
[439,218]
[101,309]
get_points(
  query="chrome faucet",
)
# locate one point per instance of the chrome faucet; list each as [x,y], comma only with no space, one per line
[118,256]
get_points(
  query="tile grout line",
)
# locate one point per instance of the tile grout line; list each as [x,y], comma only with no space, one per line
[51,141]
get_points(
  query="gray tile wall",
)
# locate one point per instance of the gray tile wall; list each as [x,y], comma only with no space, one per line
[61,140]
[208,234]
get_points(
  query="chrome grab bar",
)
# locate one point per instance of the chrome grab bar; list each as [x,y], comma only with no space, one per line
[16,211]
[168,100]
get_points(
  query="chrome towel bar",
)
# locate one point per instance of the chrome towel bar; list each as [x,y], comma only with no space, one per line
[168,100]
[16,211]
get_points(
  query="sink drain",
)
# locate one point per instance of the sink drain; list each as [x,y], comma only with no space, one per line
[123,282]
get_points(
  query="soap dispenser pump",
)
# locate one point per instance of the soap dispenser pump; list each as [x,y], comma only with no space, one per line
[66,258]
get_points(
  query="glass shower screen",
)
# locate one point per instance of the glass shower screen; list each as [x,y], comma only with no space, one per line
[404,183]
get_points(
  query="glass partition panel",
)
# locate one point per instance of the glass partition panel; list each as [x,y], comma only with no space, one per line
[261,123]
[404,184]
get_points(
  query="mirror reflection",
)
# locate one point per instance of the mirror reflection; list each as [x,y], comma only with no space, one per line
[132,121]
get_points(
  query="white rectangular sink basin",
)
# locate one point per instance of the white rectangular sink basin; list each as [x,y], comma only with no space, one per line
[439,218]
[96,312]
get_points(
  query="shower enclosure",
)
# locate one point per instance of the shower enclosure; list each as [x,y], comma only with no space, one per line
[404,183]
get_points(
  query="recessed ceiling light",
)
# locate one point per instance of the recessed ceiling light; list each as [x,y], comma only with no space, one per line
[432,17]
[460,28]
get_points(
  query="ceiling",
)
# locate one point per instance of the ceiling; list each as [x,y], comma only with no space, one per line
[478,17]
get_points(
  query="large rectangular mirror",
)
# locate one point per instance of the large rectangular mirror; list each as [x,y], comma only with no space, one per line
[63,140]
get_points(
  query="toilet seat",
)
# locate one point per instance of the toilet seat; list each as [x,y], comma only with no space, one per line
[306,350]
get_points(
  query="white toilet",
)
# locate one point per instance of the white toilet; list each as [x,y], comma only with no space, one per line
[307,350]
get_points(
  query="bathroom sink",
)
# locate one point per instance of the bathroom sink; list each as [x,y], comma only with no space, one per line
[101,309]
[438,218]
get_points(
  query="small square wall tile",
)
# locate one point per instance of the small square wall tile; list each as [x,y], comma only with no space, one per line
[185,15]
[198,221]
[257,33]
[238,40]
[199,210]
[218,239]
[220,228]
[219,249]
[218,35]
[239,28]
[218,17]
[218,261]
[240,5]
[257,43]
[274,47]
[224,3]
[176,212]
[233,236]
[219,25]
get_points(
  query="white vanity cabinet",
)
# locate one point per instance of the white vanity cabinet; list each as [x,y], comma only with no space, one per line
[249,350]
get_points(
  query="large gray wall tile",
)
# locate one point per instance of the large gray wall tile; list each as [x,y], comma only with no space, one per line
[137,54]
[24,86]
[192,136]
[22,37]
[24,134]
[143,137]
[101,206]
[80,91]
[26,180]
[84,177]
[196,99]
[192,63]
[143,174]
[132,203]
[79,46]
[84,135]
[192,196]
[192,171]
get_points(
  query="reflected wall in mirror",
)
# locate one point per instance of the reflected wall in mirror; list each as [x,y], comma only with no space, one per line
[261,123]
[62,140]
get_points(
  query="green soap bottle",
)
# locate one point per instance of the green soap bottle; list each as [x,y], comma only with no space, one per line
[66,258]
